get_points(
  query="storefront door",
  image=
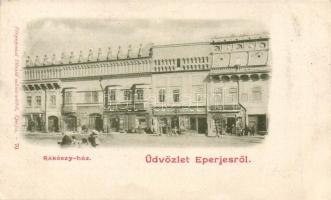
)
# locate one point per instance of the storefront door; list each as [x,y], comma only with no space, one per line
[202,125]
[53,124]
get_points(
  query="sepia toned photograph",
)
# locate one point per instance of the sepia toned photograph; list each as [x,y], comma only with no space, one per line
[145,100]
[111,82]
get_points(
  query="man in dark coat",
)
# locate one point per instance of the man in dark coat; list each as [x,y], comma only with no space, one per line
[66,140]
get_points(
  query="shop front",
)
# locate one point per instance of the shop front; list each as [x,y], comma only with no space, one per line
[70,122]
[53,124]
[34,122]
[258,124]
[225,122]
[187,120]
[129,122]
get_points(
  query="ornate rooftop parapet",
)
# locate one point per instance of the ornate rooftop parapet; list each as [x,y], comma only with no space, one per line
[72,59]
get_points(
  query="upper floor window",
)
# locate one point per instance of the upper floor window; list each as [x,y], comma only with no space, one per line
[112,95]
[29,101]
[162,93]
[140,94]
[127,95]
[38,100]
[244,97]
[176,95]
[232,98]
[52,100]
[256,94]
[68,97]
[198,92]
[87,97]
[218,98]
[95,97]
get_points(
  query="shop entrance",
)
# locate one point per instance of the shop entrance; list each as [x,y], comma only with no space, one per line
[257,123]
[53,124]
[163,125]
[35,122]
[95,122]
[193,123]
[198,124]
[70,123]
[202,125]
[114,124]
[174,122]
[230,123]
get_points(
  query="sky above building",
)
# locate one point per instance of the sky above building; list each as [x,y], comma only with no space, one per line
[55,36]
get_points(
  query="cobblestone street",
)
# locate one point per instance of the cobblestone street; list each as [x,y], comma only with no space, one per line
[123,140]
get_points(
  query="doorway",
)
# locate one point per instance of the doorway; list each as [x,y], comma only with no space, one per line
[53,124]
[95,122]
[202,125]
[70,122]
[230,122]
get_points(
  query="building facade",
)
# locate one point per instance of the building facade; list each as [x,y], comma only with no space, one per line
[191,87]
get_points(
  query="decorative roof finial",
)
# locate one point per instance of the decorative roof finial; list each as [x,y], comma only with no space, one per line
[99,54]
[36,62]
[53,59]
[151,52]
[90,55]
[118,52]
[45,60]
[71,58]
[62,57]
[80,58]
[139,51]
[129,51]
[28,61]
[109,53]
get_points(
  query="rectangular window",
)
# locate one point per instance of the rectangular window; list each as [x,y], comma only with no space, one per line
[232,95]
[162,93]
[29,101]
[68,97]
[198,92]
[256,94]
[52,100]
[95,97]
[38,100]
[127,95]
[244,97]
[87,97]
[218,98]
[140,94]
[176,95]
[112,95]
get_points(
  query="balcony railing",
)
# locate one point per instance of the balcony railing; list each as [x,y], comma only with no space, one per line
[69,108]
[224,108]
[125,107]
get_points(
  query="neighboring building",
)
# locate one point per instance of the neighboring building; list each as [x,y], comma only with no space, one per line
[238,82]
[188,86]
[179,86]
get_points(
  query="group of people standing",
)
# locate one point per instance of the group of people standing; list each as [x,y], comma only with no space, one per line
[92,140]
[236,128]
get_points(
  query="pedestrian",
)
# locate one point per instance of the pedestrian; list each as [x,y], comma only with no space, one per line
[93,139]
[253,130]
[175,130]
[74,141]
[218,127]
[66,140]
[233,130]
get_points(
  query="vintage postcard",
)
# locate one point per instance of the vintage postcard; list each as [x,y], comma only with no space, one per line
[165,100]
